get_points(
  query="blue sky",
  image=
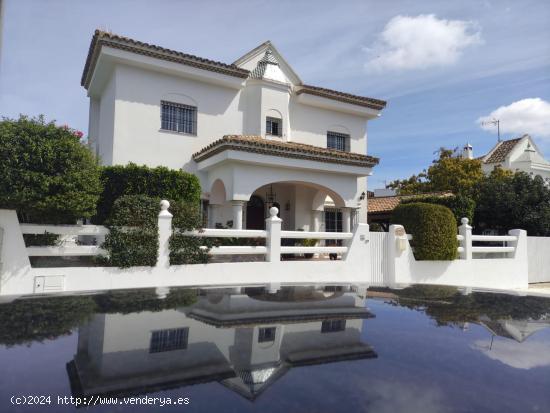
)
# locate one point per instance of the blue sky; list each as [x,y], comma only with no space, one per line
[441,65]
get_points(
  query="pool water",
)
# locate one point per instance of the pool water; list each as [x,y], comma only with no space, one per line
[299,349]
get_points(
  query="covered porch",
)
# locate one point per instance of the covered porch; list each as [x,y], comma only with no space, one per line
[314,189]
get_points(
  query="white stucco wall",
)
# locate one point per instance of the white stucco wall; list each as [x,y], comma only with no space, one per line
[135,120]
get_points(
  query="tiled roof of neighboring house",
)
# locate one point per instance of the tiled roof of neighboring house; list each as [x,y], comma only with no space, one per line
[385,204]
[257,144]
[501,151]
[342,96]
[102,38]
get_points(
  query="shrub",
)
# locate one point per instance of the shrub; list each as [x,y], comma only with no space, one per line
[125,302]
[186,249]
[48,176]
[158,182]
[433,228]
[25,321]
[133,238]
[514,201]
[460,205]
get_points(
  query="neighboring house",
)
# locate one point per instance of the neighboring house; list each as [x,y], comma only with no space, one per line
[520,154]
[245,342]
[252,131]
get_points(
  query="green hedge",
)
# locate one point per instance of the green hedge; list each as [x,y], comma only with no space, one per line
[433,228]
[186,249]
[133,238]
[461,206]
[133,179]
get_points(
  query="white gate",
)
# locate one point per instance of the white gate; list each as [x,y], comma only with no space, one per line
[538,252]
[379,258]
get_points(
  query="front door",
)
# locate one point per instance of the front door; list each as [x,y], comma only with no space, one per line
[255,215]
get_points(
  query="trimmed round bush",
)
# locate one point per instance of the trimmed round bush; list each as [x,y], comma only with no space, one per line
[460,205]
[433,228]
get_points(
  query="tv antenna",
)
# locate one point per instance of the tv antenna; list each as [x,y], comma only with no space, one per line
[494,122]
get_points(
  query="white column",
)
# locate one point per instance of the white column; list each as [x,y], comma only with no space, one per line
[165,231]
[346,220]
[466,231]
[237,208]
[212,215]
[317,216]
[273,236]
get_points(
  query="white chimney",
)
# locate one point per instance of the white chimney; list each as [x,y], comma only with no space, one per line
[468,152]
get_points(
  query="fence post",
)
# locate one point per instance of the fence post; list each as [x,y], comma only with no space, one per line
[165,231]
[273,236]
[466,231]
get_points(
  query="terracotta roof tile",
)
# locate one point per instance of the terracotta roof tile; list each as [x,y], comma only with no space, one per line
[258,144]
[102,38]
[342,96]
[502,150]
[389,203]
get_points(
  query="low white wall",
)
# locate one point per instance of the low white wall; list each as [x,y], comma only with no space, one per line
[538,249]
[497,273]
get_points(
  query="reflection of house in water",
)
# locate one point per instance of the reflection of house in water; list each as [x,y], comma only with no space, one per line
[245,339]
[518,330]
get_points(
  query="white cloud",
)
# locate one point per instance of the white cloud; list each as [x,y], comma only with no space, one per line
[421,42]
[526,355]
[530,116]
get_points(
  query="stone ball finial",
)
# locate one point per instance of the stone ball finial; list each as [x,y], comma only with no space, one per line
[273,211]
[164,205]
[464,221]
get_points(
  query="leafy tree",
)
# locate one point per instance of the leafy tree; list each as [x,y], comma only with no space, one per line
[47,174]
[508,201]
[446,173]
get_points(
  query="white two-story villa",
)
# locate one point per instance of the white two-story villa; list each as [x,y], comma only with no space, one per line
[252,131]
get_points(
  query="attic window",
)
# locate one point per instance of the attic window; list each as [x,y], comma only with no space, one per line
[273,126]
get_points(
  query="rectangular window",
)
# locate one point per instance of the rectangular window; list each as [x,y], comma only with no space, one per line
[266,334]
[332,326]
[169,340]
[338,141]
[178,118]
[273,126]
[333,220]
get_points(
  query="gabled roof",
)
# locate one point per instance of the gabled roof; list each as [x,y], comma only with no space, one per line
[262,48]
[258,144]
[102,38]
[501,150]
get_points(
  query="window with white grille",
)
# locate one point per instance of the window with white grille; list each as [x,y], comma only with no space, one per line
[338,141]
[178,118]
[169,340]
[333,326]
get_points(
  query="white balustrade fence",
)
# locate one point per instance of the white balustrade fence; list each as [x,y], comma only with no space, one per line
[272,250]
[468,251]
[68,244]
[273,236]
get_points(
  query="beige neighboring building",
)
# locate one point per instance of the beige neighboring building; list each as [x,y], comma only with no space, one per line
[519,154]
